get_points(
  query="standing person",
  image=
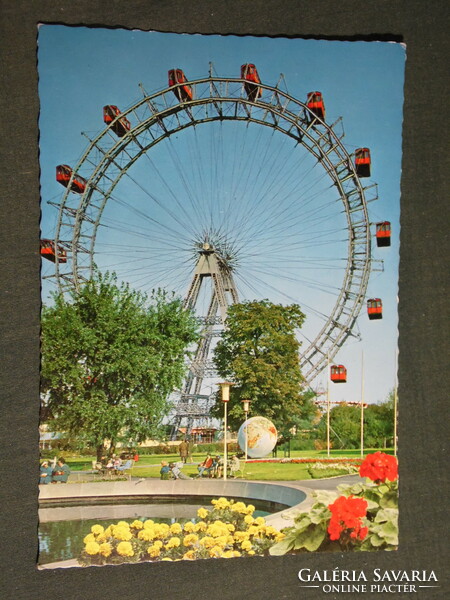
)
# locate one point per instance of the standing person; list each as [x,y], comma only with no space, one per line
[183,450]
[135,456]
[45,475]
[190,450]
[61,472]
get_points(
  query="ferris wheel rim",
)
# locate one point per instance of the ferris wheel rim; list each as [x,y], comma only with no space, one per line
[323,347]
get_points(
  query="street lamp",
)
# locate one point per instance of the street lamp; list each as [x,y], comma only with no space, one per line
[225,389]
[246,405]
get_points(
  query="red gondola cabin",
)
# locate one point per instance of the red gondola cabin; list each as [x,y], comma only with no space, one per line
[375,308]
[51,251]
[250,74]
[338,374]
[362,162]
[120,126]
[184,92]
[314,102]
[383,234]
[63,175]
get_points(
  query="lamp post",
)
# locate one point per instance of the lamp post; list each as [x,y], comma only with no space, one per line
[246,405]
[225,389]
[328,405]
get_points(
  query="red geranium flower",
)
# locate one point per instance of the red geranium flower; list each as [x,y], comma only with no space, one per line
[379,467]
[347,515]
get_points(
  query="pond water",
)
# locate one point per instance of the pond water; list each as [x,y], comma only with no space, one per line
[62,526]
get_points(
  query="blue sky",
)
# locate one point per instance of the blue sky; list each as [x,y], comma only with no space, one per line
[82,69]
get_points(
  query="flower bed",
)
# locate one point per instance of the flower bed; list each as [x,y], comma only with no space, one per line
[227,530]
[363,518]
[353,461]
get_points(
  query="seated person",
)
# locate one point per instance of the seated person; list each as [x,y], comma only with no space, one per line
[165,470]
[206,465]
[45,475]
[176,470]
[217,466]
[61,472]
[109,465]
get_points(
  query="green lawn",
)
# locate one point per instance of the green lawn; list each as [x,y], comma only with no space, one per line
[148,465]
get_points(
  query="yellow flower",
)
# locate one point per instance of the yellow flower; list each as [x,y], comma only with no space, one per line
[123,524]
[230,527]
[228,554]
[174,542]
[101,538]
[252,530]
[220,503]
[154,551]
[97,529]
[147,535]
[251,552]
[239,536]
[122,533]
[190,539]
[158,544]
[236,553]
[125,549]
[200,526]
[207,541]
[250,509]
[108,531]
[202,513]
[215,552]
[239,507]
[279,537]
[260,521]
[189,555]
[161,530]
[105,549]
[89,538]
[175,528]
[270,530]
[189,527]
[137,524]
[148,523]
[246,545]
[167,558]
[92,548]
[248,519]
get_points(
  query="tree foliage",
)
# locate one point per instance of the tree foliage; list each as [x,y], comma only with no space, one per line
[345,422]
[259,352]
[110,358]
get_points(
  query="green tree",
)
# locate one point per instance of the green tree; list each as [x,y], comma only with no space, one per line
[345,423]
[379,423]
[259,352]
[110,358]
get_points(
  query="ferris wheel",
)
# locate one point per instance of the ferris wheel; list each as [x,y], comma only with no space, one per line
[224,189]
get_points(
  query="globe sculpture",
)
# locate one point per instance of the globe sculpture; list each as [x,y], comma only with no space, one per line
[261,436]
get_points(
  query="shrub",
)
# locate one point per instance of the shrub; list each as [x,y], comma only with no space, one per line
[320,470]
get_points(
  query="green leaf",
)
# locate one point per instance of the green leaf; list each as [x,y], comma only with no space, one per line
[311,538]
[281,548]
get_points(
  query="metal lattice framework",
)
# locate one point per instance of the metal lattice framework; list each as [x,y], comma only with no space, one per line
[158,116]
